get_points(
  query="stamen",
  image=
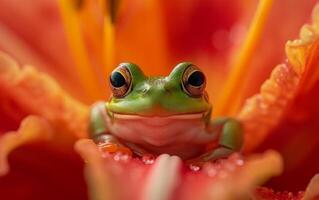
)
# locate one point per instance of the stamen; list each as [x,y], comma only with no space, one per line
[81,58]
[230,100]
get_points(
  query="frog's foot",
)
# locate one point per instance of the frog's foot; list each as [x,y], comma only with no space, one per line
[110,146]
[211,156]
[143,154]
[230,141]
[114,148]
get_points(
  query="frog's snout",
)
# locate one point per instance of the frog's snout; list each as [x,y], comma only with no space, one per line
[156,88]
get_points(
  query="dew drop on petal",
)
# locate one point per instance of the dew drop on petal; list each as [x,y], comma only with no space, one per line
[125,157]
[117,157]
[239,162]
[120,156]
[194,168]
[148,159]
[210,169]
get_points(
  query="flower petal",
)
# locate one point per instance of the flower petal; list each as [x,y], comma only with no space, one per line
[23,92]
[263,193]
[32,129]
[241,183]
[99,181]
[36,93]
[312,191]
[264,110]
[43,170]
[35,36]
[130,178]
[141,30]
[281,26]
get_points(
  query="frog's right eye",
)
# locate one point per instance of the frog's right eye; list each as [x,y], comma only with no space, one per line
[193,81]
[120,81]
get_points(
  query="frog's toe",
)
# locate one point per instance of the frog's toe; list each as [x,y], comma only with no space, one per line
[113,148]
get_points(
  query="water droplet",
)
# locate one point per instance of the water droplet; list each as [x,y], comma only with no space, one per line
[239,162]
[117,157]
[120,156]
[194,168]
[125,157]
[148,159]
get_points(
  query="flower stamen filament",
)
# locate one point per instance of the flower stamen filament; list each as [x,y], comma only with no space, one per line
[230,99]
[78,50]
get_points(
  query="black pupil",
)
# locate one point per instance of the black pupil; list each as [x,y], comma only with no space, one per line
[196,79]
[117,79]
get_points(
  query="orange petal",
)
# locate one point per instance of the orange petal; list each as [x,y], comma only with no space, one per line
[264,110]
[32,129]
[35,36]
[243,181]
[140,29]
[168,176]
[312,191]
[280,26]
[36,93]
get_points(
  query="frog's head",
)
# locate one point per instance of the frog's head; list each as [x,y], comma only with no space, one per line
[180,93]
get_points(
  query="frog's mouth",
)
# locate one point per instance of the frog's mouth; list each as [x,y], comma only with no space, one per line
[160,120]
[179,116]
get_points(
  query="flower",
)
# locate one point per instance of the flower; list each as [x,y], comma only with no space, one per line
[48,119]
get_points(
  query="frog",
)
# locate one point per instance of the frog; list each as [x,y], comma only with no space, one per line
[154,115]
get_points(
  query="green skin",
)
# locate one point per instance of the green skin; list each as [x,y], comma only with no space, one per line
[163,97]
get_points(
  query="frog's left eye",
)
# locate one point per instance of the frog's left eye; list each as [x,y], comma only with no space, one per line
[120,81]
[193,81]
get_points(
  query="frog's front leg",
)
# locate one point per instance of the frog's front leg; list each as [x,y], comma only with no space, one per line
[98,131]
[230,140]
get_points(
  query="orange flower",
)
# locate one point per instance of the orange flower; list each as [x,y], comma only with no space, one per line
[79,42]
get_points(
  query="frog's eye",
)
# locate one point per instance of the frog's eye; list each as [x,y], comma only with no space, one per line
[120,81]
[193,81]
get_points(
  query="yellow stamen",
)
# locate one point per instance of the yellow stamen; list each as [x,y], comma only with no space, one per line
[230,100]
[77,46]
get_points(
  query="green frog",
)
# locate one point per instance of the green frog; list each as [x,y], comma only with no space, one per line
[157,115]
